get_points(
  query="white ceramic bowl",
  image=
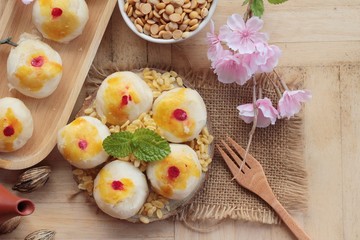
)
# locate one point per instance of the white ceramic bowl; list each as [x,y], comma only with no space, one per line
[131,25]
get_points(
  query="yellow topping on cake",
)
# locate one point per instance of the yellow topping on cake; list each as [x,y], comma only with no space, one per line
[118,95]
[113,192]
[11,128]
[35,77]
[59,20]
[166,119]
[81,141]
[174,172]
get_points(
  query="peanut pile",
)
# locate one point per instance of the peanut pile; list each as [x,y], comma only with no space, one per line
[167,19]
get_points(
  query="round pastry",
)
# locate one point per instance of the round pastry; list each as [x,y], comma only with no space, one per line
[123,96]
[34,68]
[60,20]
[180,114]
[16,124]
[178,175]
[80,142]
[120,189]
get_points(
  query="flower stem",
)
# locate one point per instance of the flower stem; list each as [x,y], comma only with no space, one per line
[252,131]
[8,41]
[248,13]
[281,81]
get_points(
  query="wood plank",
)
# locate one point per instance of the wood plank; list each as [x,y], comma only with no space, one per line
[104,54]
[350,126]
[83,221]
[228,229]
[308,25]
[293,54]
[159,55]
[323,154]
[128,50]
[312,3]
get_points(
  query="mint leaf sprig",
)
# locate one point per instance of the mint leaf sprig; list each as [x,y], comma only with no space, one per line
[144,144]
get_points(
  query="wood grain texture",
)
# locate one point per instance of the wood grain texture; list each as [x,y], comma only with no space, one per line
[53,112]
[350,128]
[323,154]
[331,128]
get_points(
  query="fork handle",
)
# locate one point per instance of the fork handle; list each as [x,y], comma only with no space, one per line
[289,220]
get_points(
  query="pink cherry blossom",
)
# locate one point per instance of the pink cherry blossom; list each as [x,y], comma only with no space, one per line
[267,114]
[241,36]
[214,43]
[231,68]
[265,59]
[271,59]
[27,1]
[290,102]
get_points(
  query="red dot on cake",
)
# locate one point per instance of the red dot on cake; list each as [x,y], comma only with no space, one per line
[56,12]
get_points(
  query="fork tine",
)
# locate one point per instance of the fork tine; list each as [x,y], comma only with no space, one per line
[249,158]
[232,166]
[232,153]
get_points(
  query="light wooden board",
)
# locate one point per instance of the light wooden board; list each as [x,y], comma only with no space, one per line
[350,165]
[332,123]
[53,112]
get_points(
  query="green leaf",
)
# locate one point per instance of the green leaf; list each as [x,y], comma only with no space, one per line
[277,1]
[118,144]
[146,145]
[149,146]
[257,7]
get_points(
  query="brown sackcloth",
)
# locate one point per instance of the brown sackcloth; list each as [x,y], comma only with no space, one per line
[279,148]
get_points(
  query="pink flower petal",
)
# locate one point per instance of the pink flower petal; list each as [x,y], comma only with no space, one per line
[236,22]
[290,102]
[267,114]
[246,112]
[225,32]
[254,24]
[230,69]
[245,46]
[214,51]
[240,36]
[223,66]
[261,37]
[266,57]
[267,109]
[262,121]
[211,37]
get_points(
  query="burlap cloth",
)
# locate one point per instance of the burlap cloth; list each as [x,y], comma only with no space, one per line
[279,148]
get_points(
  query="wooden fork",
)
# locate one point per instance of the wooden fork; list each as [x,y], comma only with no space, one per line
[252,177]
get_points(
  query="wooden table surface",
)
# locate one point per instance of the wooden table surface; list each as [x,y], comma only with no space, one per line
[320,39]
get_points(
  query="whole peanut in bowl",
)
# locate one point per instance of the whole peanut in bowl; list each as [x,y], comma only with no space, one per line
[166,21]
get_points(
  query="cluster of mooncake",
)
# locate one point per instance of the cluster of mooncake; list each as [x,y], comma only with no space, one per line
[34,68]
[120,189]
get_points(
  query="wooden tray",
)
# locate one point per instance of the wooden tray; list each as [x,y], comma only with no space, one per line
[53,112]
